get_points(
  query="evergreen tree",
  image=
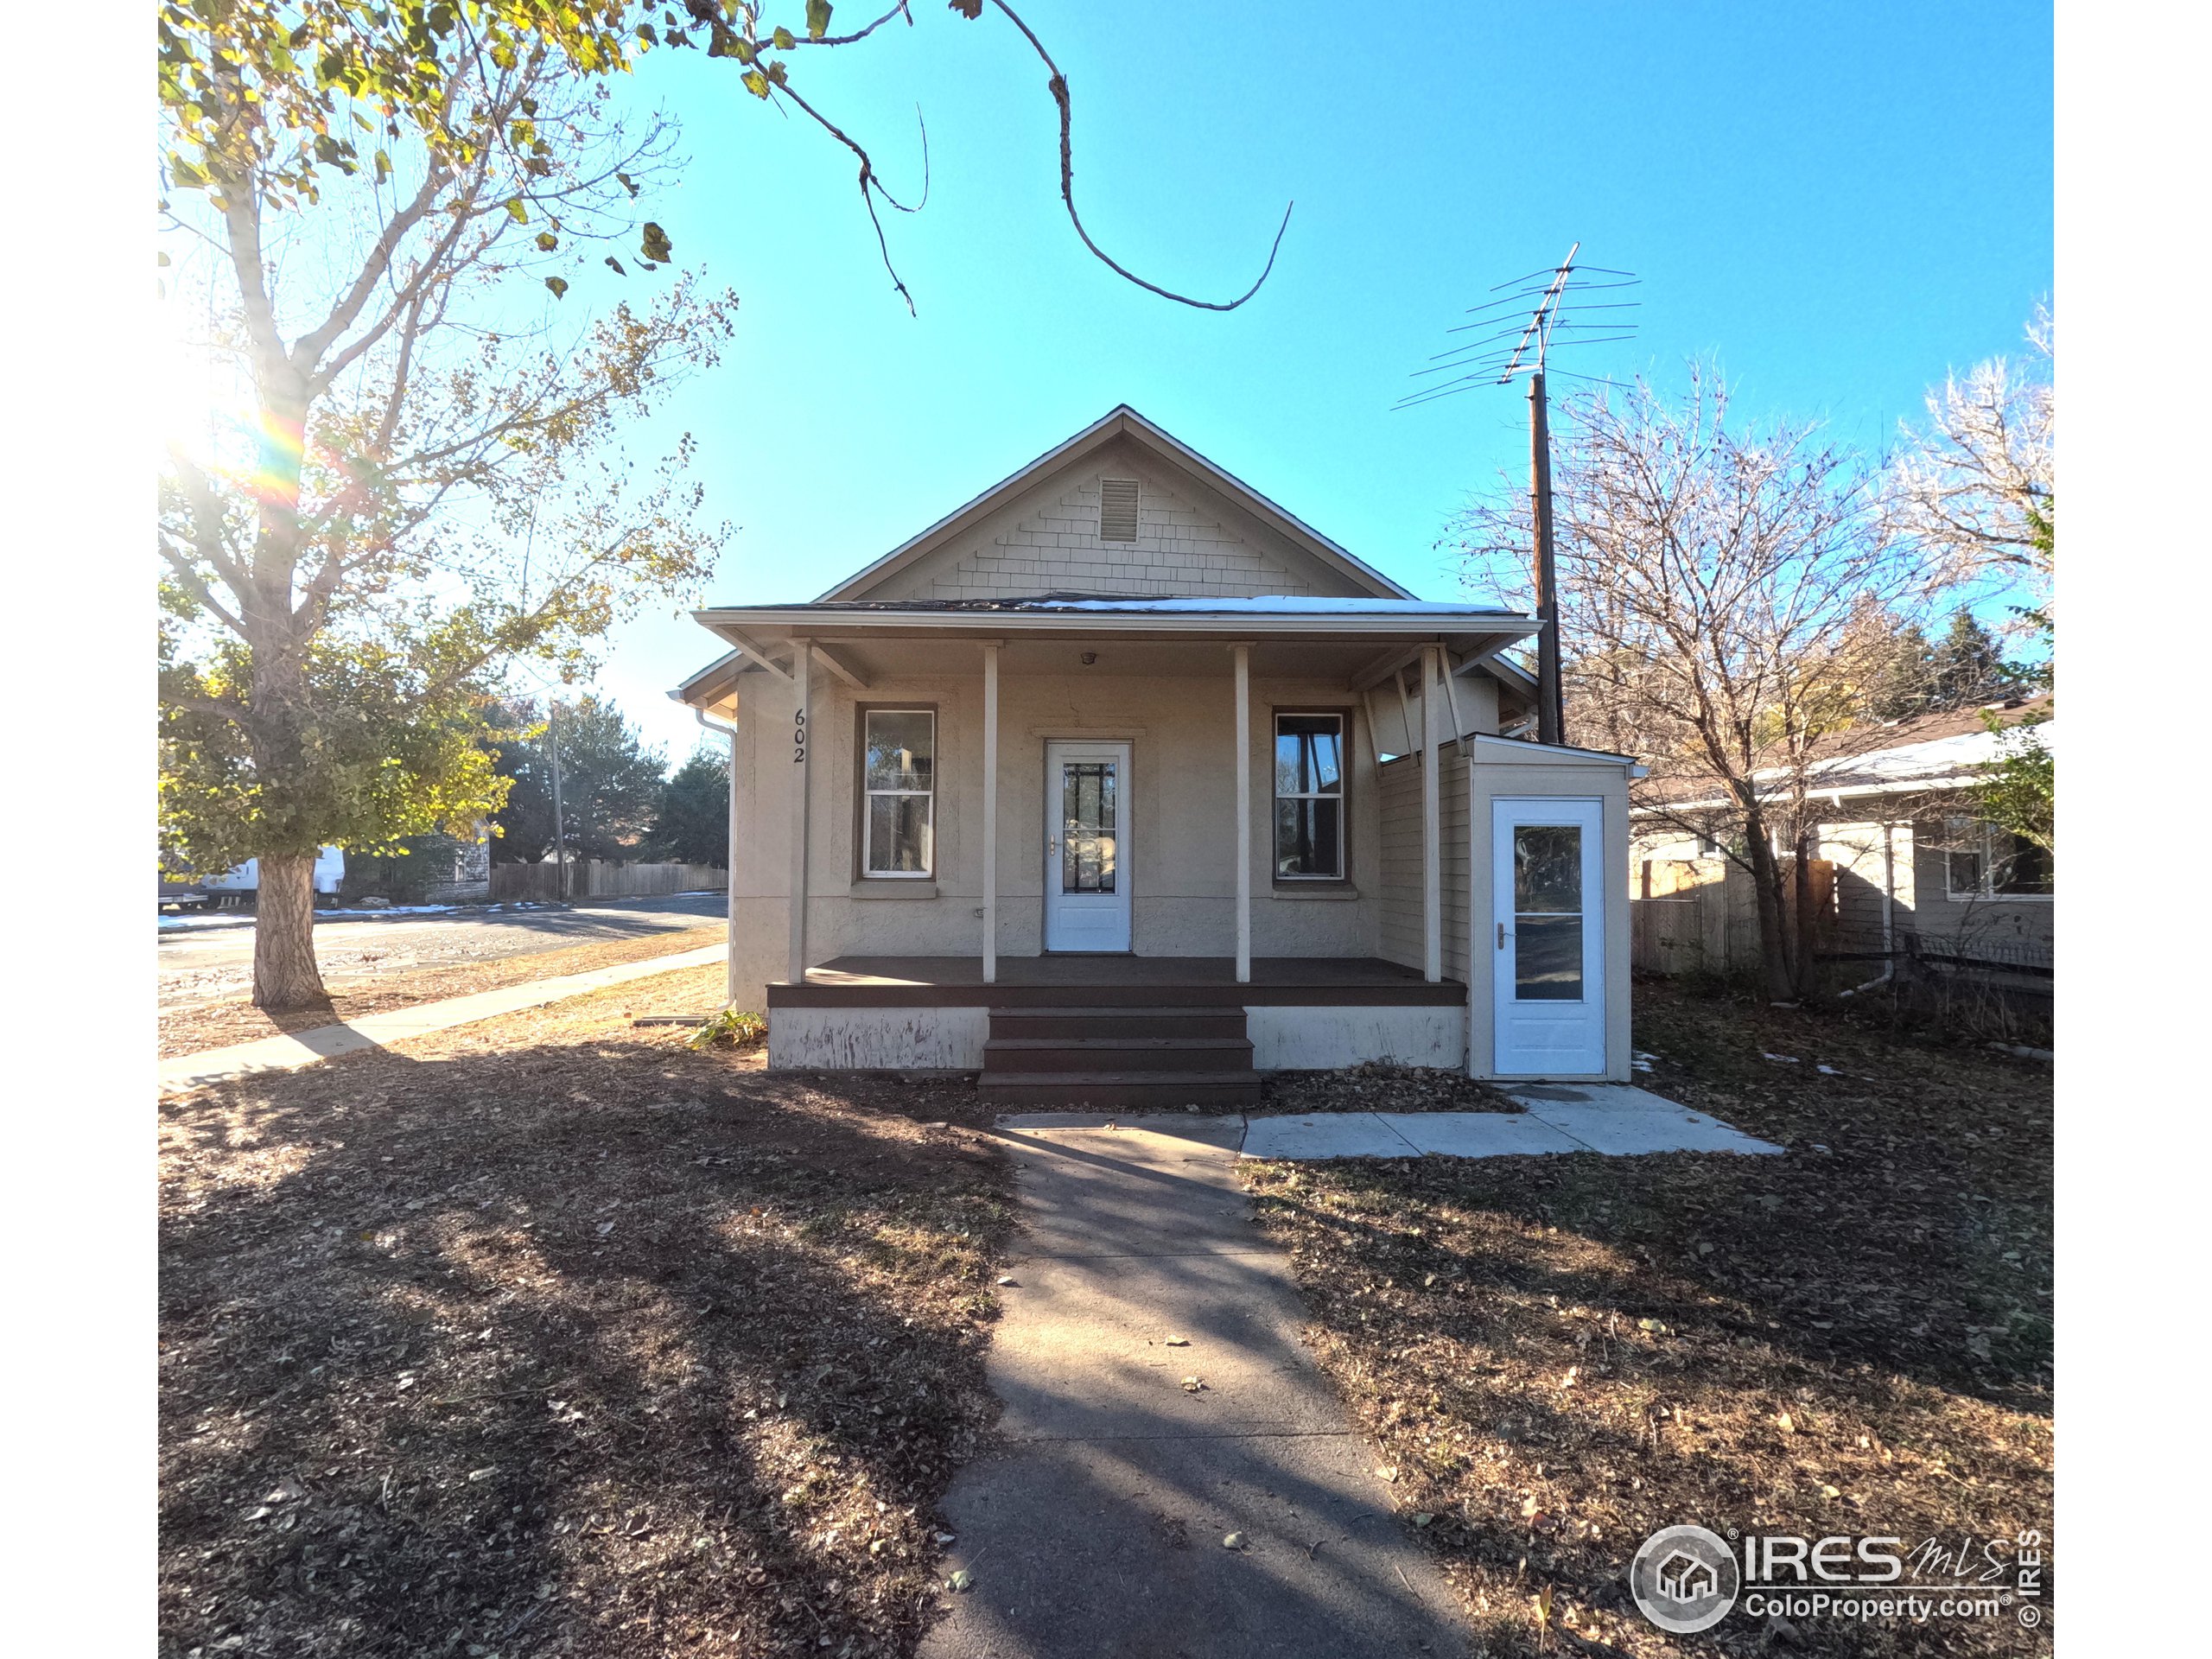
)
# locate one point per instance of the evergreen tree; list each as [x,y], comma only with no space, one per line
[1966,666]
[609,784]
[691,824]
[1903,686]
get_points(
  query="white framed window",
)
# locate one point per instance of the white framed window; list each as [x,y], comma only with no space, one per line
[899,793]
[1309,798]
[1984,862]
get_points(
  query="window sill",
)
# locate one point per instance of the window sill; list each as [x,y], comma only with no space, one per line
[1315,890]
[884,887]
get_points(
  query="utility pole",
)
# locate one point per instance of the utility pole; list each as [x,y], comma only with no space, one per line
[1518,346]
[560,847]
[1551,706]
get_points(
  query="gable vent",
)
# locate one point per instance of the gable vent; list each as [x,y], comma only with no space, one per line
[1117,509]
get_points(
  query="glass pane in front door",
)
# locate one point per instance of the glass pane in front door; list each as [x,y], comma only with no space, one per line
[1547,912]
[1087,826]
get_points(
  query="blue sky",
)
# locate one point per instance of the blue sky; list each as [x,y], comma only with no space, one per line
[1837,204]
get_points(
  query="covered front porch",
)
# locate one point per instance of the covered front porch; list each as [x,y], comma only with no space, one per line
[1187,780]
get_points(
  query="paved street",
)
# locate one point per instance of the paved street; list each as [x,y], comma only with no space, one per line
[213,956]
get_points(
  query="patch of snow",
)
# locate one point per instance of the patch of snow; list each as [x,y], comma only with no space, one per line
[1779,1059]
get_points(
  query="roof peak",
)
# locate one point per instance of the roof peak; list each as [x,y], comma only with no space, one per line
[1167,449]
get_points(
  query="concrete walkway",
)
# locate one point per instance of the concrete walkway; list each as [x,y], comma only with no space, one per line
[1092,1527]
[1609,1117]
[294,1049]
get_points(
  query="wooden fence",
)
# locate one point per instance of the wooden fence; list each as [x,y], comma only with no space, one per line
[1701,915]
[596,878]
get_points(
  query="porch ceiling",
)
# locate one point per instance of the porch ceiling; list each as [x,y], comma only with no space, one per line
[1305,644]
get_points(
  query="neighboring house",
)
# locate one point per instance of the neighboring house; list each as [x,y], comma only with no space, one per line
[1120,783]
[1915,868]
[431,870]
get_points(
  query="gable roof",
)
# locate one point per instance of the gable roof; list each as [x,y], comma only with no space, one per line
[1122,422]
[1945,750]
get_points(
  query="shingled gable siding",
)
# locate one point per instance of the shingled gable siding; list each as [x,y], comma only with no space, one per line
[1178,551]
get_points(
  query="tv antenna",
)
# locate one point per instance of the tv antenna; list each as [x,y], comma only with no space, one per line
[1512,340]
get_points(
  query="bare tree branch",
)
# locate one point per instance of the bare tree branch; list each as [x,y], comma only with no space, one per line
[1057,86]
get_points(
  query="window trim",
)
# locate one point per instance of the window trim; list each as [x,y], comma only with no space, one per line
[1296,883]
[1983,893]
[862,794]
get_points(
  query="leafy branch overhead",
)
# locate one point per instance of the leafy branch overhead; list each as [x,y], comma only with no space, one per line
[321,86]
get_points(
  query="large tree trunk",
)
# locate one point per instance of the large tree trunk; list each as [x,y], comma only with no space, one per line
[1800,895]
[1766,886]
[285,975]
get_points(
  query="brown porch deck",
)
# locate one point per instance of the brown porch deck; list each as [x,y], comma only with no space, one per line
[1109,982]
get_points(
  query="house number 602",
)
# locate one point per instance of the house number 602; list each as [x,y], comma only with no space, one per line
[798,738]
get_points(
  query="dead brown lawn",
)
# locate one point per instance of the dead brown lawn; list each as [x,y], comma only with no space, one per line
[551,1336]
[1562,1355]
[190,1028]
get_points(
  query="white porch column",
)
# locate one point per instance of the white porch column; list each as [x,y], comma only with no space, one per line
[1432,822]
[801,748]
[1243,655]
[1479,948]
[991,814]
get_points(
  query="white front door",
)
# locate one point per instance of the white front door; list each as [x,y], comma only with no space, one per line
[1548,888]
[1086,846]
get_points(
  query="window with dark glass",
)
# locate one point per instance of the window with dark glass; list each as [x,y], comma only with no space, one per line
[1547,913]
[1087,826]
[1309,798]
[899,801]
[1984,862]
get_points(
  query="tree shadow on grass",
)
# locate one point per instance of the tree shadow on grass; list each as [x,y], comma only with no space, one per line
[1565,1354]
[574,1349]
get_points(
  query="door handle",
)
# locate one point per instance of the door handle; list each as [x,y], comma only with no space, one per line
[1051,846]
[1501,936]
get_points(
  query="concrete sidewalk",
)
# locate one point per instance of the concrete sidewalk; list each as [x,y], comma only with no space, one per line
[1615,1118]
[294,1049]
[1093,1525]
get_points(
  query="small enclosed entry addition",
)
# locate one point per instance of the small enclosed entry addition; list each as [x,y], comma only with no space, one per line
[1086,846]
[1547,887]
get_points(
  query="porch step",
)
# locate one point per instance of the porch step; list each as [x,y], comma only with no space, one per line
[1045,1021]
[1130,1090]
[1101,1054]
[1134,1058]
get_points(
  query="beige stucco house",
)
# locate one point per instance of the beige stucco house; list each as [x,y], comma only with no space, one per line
[1121,784]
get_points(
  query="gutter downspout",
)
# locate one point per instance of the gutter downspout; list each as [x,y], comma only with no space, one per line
[730,855]
[1889,913]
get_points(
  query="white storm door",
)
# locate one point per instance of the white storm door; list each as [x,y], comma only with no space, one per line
[1086,846]
[1548,936]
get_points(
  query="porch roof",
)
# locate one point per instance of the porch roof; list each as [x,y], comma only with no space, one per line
[1367,633]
